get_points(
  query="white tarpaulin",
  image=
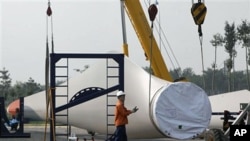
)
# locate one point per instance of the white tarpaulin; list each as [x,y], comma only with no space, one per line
[181,110]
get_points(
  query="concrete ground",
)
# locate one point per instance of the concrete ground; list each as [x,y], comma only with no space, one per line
[37,134]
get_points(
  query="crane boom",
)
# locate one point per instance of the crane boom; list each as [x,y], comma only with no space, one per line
[141,26]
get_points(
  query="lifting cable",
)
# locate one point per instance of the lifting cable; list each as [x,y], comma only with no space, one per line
[162,43]
[152,10]
[49,105]
[48,90]
[49,16]
[198,12]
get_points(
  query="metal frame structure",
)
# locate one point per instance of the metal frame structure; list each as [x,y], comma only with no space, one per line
[245,113]
[4,132]
[55,57]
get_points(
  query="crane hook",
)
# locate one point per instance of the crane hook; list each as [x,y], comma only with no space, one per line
[152,10]
[49,10]
[198,12]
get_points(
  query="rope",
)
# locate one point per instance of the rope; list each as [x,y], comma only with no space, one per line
[198,12]
[202,60]
[152,10]
[173,60]
[49,14]
[49,104]
[46,71]
[47,116]
[46,87]
[49,101]
[159,31]
[150,62]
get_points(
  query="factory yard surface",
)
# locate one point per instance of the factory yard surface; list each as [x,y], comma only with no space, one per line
[37,134]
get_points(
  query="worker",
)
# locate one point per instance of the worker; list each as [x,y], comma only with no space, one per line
[13,123]
[15,120]
[121,119]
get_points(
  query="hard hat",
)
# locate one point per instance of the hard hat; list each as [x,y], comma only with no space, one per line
[119,93]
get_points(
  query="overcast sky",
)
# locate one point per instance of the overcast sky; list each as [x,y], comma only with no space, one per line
[94,26]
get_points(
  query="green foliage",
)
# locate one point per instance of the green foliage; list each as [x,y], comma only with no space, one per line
[230,37]
[217,40]
[5,83]
[220,79]
[243,33]
[20,89]
[243,36]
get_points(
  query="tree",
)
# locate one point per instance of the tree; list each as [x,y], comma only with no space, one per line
[216,41]
[230,40]
[243,36]
[32,87]
[5,83]
[176,73]
[17,90]
[22,89]
[221,86]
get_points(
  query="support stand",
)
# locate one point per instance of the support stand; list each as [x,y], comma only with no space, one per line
[4,132]
[94,93]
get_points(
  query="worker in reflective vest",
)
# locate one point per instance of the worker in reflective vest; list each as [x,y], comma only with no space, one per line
[121,117]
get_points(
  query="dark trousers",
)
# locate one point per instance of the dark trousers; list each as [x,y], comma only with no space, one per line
[120,133]
[14,126]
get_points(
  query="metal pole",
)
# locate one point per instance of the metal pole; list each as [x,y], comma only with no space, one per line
[124,36]
[52,98]
[123,22]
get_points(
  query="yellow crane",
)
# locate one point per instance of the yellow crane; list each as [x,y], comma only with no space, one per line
[142,28]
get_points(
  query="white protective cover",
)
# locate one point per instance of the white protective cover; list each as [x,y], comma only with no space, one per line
[181,110]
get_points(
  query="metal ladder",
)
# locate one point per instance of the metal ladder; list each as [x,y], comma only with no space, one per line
[57,109]
[112,73]
[62,77]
